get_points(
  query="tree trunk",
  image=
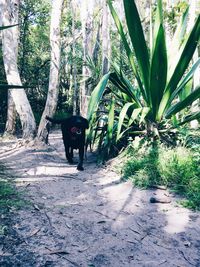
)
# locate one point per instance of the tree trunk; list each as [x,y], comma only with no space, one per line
[11,110]
[76,95]
[9,46]
[11,117]
[53,90]
[105,38]
[96,49]
[86,19]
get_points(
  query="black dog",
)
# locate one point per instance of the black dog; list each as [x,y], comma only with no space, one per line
[73,132]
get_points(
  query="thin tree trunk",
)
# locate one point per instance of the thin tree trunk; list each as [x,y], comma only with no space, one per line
[11,110]
[53,90]
[76,106]
[96,49]
[11,117]
[105,38]
[9,46]
[86,19]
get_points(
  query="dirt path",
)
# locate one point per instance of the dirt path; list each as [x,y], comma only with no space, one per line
[91,218]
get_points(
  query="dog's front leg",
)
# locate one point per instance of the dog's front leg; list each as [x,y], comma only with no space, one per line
[81,155]
[67,152]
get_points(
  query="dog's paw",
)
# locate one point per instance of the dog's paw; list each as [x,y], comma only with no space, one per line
[80,168]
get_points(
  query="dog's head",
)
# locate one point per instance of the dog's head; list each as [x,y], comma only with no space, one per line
[78,127]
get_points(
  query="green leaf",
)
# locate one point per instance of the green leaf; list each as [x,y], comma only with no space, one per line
[178,38]
[183,62]
[6,27]
[126,85]
[158,71]
[191,117]
[183,104]
[7,86]
[185,80]
[158,19]
[138,41]
[134,115]
[129,52]
[145,112]
[122,116]
[97,95]
[110,124]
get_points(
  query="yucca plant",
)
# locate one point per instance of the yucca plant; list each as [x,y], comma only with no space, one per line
[160,70]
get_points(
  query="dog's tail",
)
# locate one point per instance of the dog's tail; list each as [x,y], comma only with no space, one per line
[56,121]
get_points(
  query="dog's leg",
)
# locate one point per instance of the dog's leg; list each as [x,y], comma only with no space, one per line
[81,155]
[71,153]
[67,153]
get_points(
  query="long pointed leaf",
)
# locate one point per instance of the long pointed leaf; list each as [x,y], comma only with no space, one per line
[8,86]
[158,71]
[138,41]
[127,85]
[145,112]
[129,52]
[6,27]
[110,123]
[183,104]
[134,115]
[97,95]
[122,116]
[179,35]
[185,80]
[191,117]
[185,58]
[158,19]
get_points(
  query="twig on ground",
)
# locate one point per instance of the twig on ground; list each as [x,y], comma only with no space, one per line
[134,231]
[186,258]
[50,223]
[142,238]
[162,262]
[98,212]
[34,233]
[36,207]
[58,253]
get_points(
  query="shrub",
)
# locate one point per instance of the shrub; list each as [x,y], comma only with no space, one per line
[177,168]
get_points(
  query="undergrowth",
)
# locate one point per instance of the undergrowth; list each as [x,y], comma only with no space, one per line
[10,199]
[177,168]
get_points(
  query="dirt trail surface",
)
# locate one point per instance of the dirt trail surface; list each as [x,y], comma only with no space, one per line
[91,218]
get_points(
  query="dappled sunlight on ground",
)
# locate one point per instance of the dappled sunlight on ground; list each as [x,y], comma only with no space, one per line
[51,170]
[93,217]
[177,220]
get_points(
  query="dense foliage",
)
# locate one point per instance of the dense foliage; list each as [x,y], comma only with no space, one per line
[177,168]
[151,105]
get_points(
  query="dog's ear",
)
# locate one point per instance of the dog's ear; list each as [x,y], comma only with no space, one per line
[85,123]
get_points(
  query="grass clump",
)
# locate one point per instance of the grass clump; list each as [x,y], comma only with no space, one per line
[9,197]
[177,168]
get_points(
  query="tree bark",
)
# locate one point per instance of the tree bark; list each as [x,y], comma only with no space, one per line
[10,50]
[76,95]
[86,19]
[53,90]
[105,38]
[11,110]
[11,117]
[96,49]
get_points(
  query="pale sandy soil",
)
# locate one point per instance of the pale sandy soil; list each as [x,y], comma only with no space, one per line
[91,218]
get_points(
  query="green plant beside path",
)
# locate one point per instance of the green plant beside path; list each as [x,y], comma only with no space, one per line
[161,71]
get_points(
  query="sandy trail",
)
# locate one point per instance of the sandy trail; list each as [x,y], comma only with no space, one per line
[91,218]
